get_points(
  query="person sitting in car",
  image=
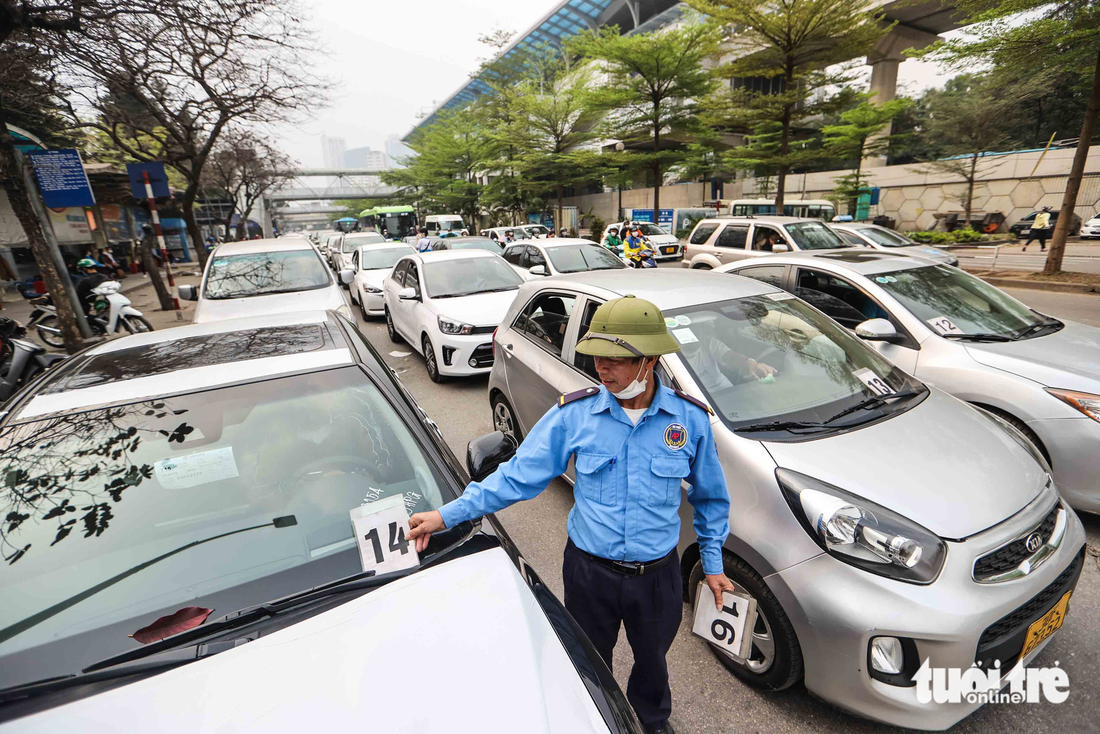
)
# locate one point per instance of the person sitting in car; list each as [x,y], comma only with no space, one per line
[709,355]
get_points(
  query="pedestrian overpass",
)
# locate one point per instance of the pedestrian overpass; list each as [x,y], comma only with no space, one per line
[320,184]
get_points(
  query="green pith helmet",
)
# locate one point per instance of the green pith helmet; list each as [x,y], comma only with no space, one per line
[627,327]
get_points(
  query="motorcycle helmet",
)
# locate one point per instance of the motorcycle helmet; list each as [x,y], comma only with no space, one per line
[87,262]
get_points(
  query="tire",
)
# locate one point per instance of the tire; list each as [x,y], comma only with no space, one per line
[363,309]
[54,340]
[783,667]
[701,266]
[429,360]
[391,330]
[136,324]
[504,415]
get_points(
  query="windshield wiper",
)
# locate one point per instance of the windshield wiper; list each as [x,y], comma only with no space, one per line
[873,402]
[1036,328]
[777,426]
[979,337]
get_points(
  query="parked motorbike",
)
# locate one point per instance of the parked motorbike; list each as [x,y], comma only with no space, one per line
[110,312]
[20,361]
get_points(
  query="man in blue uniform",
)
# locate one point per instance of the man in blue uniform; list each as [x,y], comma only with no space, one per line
[634,441]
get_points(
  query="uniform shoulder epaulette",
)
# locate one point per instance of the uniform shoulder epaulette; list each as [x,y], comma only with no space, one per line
[577,395]
[696,401]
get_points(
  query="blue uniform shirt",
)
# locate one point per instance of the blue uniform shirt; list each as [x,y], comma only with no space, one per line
[627,489]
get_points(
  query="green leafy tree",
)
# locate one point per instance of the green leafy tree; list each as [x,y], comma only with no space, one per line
[859,136]
[651,88]
[789,47]
[1035,39]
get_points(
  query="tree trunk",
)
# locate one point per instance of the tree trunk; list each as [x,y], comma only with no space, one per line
[193,232]
[970,190]
[656,165]
[1076,171]
[150,263]
[560,221]
[11,178]
[784,143]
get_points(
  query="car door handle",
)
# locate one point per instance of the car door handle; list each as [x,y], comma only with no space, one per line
[507,348]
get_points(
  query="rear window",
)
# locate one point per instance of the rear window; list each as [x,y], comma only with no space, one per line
[265,273]
[702,233]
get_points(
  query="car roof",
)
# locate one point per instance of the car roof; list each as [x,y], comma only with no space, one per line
[385,246]
[249,247]
[861,260]
[189,358]
[361,235]
[762,218]
[436,255]
[669,288]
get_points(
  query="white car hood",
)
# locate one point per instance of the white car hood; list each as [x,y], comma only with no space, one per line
[1069,358]
[662,239]
[941,464]
[483,309]
[462,647]
[319,299]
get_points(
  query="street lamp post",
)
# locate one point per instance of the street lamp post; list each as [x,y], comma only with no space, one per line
[619,148]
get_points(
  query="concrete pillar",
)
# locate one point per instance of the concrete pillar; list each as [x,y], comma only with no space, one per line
[884,61]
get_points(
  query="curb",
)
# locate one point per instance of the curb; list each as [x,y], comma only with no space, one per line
[1038,285]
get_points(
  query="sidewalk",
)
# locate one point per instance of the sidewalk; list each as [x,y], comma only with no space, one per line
[1074,248]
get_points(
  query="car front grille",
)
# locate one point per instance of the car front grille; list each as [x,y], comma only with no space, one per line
[483,355]
[483,330]
[1010,556]
[1004,639]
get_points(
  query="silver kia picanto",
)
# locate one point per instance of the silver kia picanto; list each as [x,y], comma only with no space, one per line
[877,521]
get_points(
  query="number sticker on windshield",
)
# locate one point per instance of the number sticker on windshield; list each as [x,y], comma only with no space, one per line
[191,470]
[381,530]
[685,336]
[877,385]
[780,296]
[725,628]
[943,325]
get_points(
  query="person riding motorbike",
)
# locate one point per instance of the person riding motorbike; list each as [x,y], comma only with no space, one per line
[633,245]
[612,240]
[92,280]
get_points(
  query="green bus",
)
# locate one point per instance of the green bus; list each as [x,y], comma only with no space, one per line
[395,222]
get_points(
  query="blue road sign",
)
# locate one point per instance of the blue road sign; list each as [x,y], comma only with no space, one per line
[61,178]
[157,178]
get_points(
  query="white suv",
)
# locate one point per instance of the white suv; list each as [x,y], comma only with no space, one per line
[722,240]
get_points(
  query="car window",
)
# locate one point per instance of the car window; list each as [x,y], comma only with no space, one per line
[265,273]
[514,254]
[814,236]
[702,233]
[545,319]
[579,258]
[763,237]
[355,260]
[885,237]
[534,257]
[411,279]
[239,493]
[770,274]
[838,298]
[733,236]
[584,362]
[398,273]
[851,237]
[476,244]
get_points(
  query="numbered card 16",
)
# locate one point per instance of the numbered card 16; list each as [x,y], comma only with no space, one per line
[726,628]
[380,530]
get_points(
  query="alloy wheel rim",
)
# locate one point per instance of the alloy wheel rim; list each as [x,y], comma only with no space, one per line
[762,653]
[429,356]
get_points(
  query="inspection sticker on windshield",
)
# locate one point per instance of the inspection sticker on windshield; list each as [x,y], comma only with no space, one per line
[943,325]
[181,472]
[725,628]
[685,336]
[780,296]
[381,530]
[870,379]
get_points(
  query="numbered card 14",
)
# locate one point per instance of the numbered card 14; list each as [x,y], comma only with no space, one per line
[728,628]
[381,530]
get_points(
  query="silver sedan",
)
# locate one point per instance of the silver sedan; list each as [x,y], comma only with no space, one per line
[970,339]
[881,238]
[862,525]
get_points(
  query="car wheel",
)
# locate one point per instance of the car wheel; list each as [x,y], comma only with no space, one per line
[504,418]
[363,308]
[391,331]
[775,660]
[429,360]
[701,266]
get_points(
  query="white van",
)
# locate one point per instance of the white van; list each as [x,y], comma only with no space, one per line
[437,224]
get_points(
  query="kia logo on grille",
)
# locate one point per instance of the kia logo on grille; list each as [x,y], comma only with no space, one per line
[1033,542]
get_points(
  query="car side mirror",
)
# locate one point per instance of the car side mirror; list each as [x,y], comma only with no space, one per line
[346,276]
[538,270]
[780,248]
[188,293]
[485,453]
[407,294]
[878,330]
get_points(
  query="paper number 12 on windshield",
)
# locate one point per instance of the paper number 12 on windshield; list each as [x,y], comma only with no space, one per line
[381,532]
[870,379]
[943,325]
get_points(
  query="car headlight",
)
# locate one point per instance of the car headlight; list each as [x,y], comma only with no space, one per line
[372,289]
[344,311]
[450,326]
[862,533]
[1087,403]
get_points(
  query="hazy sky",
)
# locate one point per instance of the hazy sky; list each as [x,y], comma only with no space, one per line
[392,60]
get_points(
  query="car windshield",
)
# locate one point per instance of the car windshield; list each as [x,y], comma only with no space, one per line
[814,236]
[478,244]
[578,258]
[350,243]
[952,301]
[518,233]
[380,258]
[221,499]
[451,225]
[648,229]
[820,369]
[263,273]
[885,237]
[536,229]
[466,276]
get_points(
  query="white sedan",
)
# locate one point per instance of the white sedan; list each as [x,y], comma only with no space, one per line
[446,305]
[341,260]
[372,263]
[556,256]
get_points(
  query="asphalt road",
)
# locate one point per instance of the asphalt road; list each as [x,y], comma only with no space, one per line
[706,698]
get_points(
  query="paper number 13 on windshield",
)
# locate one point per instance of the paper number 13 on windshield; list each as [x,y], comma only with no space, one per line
[877,385]
[381,533]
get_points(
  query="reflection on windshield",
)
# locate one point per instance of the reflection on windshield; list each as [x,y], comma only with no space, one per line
[350,243]
[969,304]
[468,276]
[814,236]
[885,237]
[487,245]
[579,258]
[816,365]
[371,258]
[90,496]
[237,276]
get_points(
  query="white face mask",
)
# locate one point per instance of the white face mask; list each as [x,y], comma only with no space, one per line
[635,388]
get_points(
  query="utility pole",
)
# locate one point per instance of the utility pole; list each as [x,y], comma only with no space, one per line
[160,238]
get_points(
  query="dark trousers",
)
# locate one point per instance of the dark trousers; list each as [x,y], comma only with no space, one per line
[1038,234]
[650,606]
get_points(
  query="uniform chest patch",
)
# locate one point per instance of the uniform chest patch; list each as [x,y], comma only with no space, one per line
[675,436]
